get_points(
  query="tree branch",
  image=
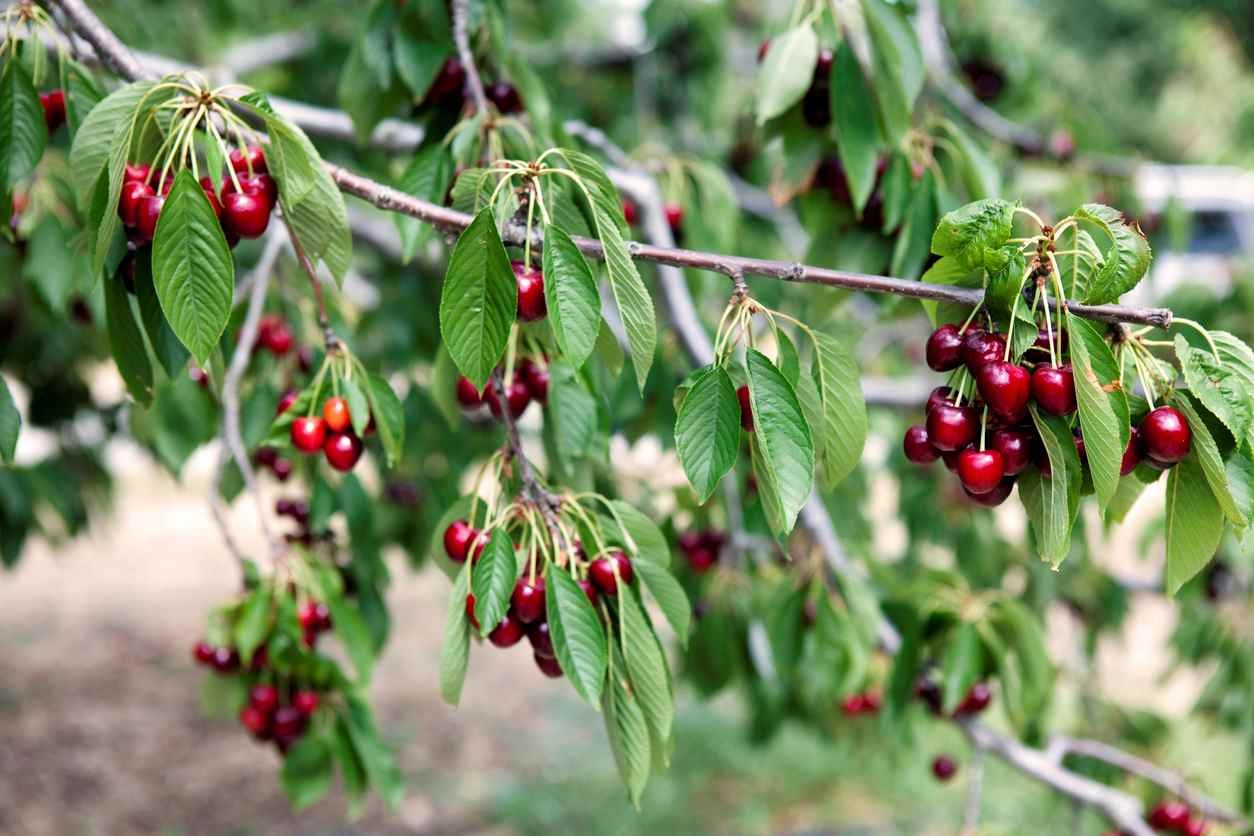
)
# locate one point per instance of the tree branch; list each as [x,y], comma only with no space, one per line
[461,37]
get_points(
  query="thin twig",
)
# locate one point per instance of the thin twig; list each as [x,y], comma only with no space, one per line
[330,341]
[461,37]
[532,489]
[975,791]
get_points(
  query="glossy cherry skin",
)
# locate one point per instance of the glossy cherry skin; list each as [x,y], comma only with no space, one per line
[136,173]
[342,450]
[508,632]
[278,339]
[467,395]
[980,347]
[289,397]
[206,184]
[305,701]
[449,80]
[1194,827]
[335,413]
[264,698]
[702,559]
[133,194]
[917,447]
[518,396]
[1053,389]
[506,98]
[536,378]
[54,109]
[288,722]
[1006,388]
[1131,455]
[746,408]
[1165,435]
[309,434]
[952,427]
[629,212]
[601,571]
[225,660]
[944,767]
[202,652]
[548,666]
[457,539]
[1042,340]
[674,216]
[245,215]
[940,396]
[146,217]
[258,185]
[255,720]
[1015,447]
[944,349]
[1169,815]
[977,699]
[251,156]
[530,282]
[996,496]
[282,469]
[541,640]
[852,705]
[527,599]
[980,471]
[589,589]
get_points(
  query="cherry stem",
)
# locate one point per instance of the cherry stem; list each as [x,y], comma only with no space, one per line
[331,342]
[1179,320]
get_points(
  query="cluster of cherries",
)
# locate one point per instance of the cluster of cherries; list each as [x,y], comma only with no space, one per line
[702,548]
[331,432]
[1175,817]
[530,383]
[978,697]
[449,85]
[526,613]
[989,453]
[674,215]
[53,104]
[268,717]
[244,212]
[298,511]
[856,705]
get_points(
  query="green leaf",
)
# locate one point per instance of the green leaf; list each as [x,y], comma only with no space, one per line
[783,436]
[1129,491]
[353,632]
[358,405]
[105,127]
[628,733]
[320,221]
[979,173]
[50,264]
[843,436]
[570,291]
[479,301]
[961,665]
[910,251]
[670,596]
[578,638]
[192,268]
[292,158]
[418,61]
[455,649]
[427,177]
[707,431]
[573,412]
[641,537]
[170,353]
[853,110]
[389,417]
[375,757]
[22,130]
[949,270]
[127,343]
[82,92]
[1104,415]
[898,66]
[1239,468]
[352,770]
[787,70]
[646,663]
[1194,522]
[1126,261]
[1212,464]
[1035,673]
[1052,503]
[10,423]
[1225,386]
[972,231]
[1002,293]
[493,581]
[254,622]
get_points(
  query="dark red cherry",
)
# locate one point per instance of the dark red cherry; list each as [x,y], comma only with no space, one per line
[258,185]
[977,699]
[225,660]
[309,434]
[289,722]
[531,304]
[264,698]
[944,349]
[136,173]
[541,640]
[518,396]
[980,470]
[507,633]
[941,396]
[342,450]
[1042,340]
[674,216]
[918,449]
[147,215]
[202,652]
[1169,815]
[470,611]
[54,109]
[548,666]
[255,720]
[505,96]
[134,193]
[952,427]
[629,212]
[1194,827]
[994,497]
[282,469]
[950,458]
[602,571]
[527,599]
[206,183]
[944,767]
[536,377]
[746,408]
[289,397]
[457,539]
[1131,455]
[1165,435]
[245,215]
[467,395]
[1053,389]
[980,347]
[1006,388]
[252,160]
[702,559]
[589,589]
[1015,447]
[305,701]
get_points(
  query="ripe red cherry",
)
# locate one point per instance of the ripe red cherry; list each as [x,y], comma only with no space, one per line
[1042,341]
[470,611]
[536,378]
[335,413]
[589,589]
[202,652]
[1169,815]
[225,660]
[133,194]
[1132,455]
[450,79]
[674,216]
[251,156]
[305,701]
[951,427]
[944,349]
[278,339]
[289,398]
[531,304]
[548,666]
[264,698]
[996,496]
[1053,387]
[54,109]
[541,639]
[343,450]
[1165,435]
[457,539]
[1006,388]
[602,570]
[852,705]
[518,396]
[505,96]
[257,185]
[701,559]
[977,699]
[1015,447]
[746,408]
[282,469]
[940,396]
[629,212]
[918,449]
[136,173]
[308,434]
[944,767]
[288,722]
[980,471]
[206,184]
[507,633]
[467,395]
[147,215]
[1194,827]
[980,347]
[255,720]
[527,599]
[245,215]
